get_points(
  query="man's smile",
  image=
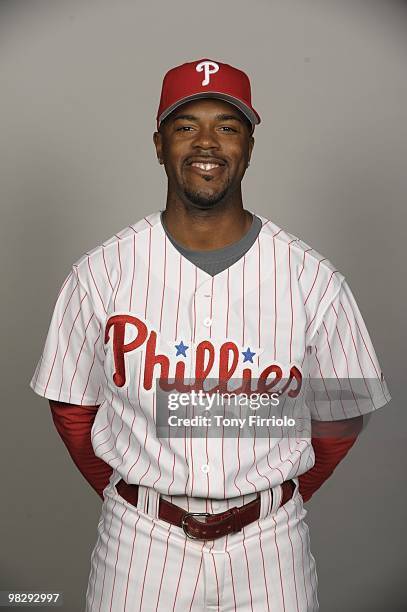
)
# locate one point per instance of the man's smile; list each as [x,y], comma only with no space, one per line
[200,168]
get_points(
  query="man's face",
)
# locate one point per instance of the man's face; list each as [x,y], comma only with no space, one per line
[205,146]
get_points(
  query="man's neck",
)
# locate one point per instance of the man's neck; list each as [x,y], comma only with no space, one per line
[206,230]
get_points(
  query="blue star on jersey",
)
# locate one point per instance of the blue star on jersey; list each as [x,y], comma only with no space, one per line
[248,355]
[181,349]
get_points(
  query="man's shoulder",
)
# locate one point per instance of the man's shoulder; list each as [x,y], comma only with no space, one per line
[120,240]
[309,260]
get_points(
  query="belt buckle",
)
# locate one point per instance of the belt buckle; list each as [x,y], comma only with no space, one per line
[184,525]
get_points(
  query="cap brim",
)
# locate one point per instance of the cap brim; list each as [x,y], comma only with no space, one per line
[252,116]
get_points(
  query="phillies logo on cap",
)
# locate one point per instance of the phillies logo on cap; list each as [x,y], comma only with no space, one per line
[208,68]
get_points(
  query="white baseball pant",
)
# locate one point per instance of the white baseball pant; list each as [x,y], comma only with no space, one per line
[141,563]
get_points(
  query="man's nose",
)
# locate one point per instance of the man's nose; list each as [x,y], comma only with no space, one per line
[206,138]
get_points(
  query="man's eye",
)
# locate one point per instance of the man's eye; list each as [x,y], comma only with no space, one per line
[189,127]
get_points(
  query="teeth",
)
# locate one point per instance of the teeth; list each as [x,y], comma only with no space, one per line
[204,166]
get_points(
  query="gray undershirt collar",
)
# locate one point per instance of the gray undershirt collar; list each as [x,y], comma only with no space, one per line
[217,260]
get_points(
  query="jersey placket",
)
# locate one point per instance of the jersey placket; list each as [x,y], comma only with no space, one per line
[201,314]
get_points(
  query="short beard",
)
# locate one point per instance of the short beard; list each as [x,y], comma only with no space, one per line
[204,201]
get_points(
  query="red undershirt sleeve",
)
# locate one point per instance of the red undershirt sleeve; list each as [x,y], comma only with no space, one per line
[74,425]
[331,442]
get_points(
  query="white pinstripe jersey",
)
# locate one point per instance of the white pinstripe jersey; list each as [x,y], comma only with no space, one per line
[282,300]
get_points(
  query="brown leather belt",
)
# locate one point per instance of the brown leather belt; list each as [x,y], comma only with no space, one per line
[216,525]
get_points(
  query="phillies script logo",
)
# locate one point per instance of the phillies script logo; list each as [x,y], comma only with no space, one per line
[208,68]
[229,356]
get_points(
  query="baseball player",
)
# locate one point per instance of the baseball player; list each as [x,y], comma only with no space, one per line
[205,290]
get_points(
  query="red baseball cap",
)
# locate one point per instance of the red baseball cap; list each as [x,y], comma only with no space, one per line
[205,78]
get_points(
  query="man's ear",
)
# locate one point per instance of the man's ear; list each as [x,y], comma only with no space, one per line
[251,145]
[157,139]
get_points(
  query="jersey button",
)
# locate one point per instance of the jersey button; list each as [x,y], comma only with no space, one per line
[205,468]
[207,322]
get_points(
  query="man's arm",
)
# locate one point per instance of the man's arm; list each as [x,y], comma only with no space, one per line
[74,425]
[331,442]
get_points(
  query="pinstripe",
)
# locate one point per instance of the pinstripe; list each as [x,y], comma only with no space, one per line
[254,461]
[223,457]
[95,285]
[194,300]
[139,449]
[117,556]
[238,458]
[130,566]
[120,274]
[101,431]
[302,558]
[227,307]
[232,580]
[292,554]
[132,424]
[249,581]
[323,379]
[149,463]
[148,272]
[216,580]
[146,567]
[259,299]
[275,297]
[333,364]
[211,310]
[164,280]
[38,369]
[104,561]
[79,354]
[163,569]
[279,562]
[315,279]
[59,327]
[196,582]
[133,274]
[365,343]
[106,269]
[66,281]
[303,262]
[92,363]
[180,574]
[94,569]
[291,300]
[243,298]
[344,353]
[179,296]
[320,299]
[263,565]
[358,356]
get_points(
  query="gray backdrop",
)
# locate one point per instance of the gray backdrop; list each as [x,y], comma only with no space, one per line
[80,84]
